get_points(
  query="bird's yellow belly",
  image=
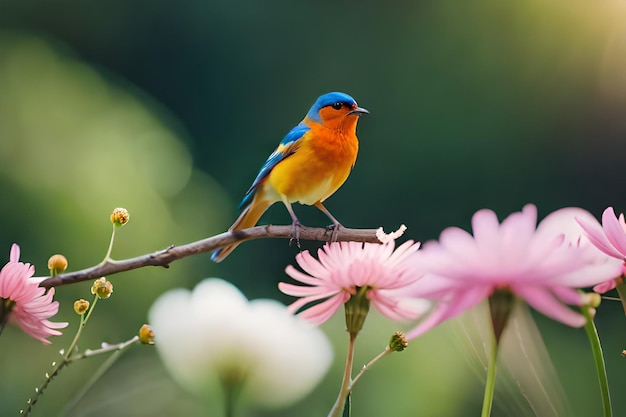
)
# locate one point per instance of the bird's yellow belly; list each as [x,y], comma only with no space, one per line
[306,178]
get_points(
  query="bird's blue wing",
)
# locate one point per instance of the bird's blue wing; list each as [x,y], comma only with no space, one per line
[287,147]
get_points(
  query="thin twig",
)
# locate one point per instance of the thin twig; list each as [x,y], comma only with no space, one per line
[166,256]
[117,350]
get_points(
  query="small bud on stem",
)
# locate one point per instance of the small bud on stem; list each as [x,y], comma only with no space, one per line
[120,216]
[57,264]
[146,335]
[81,306]
[102,288]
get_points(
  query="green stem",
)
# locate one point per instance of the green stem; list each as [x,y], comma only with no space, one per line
[231,386]
[491,377]
[107,257]
[367,367]
[594,340]
[83,322]
[230,397]
[118,349]
[64,362]
[340,404]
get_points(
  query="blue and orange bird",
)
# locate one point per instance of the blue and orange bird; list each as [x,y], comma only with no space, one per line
[311,162]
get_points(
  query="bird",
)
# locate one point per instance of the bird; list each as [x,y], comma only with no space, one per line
[310,163]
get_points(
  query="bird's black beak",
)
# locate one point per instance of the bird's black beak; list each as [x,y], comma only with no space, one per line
[358,111]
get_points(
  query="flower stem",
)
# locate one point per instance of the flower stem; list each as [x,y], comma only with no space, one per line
[117,348]
[339,406]
[107,257]
[229,402]
[491,378]
[621,290]
[64,362]
[367,367]
[596,348]
[231,386]
[83,322]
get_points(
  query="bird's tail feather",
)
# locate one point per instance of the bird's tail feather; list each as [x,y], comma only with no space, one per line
[248,218]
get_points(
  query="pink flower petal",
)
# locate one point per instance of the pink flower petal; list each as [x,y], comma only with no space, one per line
[450,308]
[564,222]
[33,306]
[485,227]
[342,268]
[614,231]
[597,237]
[321,312]
[568,295]
[605,286]
[590,274]
[391,306]
[304,278]
[543,300]
[301,291]
[15,253]
[542,264]
[432,286]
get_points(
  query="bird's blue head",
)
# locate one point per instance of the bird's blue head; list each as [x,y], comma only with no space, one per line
[332,108]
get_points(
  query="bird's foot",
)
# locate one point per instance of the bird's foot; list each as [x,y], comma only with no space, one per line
[296,234]
[334,231]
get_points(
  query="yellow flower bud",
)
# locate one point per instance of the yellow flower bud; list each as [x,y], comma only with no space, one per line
[120,216]
[398,342]
[146,335]
[102,288]
[81,306]
[592,299]
[57,264]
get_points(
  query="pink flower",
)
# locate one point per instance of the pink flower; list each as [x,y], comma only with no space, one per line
[31,305]
[610,238]
[344,268]
[542,265]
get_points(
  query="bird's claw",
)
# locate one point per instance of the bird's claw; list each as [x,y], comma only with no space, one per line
[296,234]
[334,229]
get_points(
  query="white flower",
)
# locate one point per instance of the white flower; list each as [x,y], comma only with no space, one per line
[214,336]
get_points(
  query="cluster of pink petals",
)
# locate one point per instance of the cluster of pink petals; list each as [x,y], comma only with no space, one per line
[343,267]
[544,265]
[33,306]
[610,238]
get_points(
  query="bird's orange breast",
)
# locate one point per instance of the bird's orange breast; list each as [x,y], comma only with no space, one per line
[319,167]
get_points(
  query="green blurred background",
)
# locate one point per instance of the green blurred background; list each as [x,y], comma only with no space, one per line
[170,109]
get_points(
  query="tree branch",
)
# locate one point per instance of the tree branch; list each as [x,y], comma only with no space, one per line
[168,255]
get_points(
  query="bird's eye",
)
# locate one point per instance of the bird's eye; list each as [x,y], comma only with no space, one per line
[337,106]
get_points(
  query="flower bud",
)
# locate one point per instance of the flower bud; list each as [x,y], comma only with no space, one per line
[356,309]
[398,342]
[81,306]
[592,312]
[102,288]
[146,335]
[57,264]
[592,299]
[120,217]
[500,306]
